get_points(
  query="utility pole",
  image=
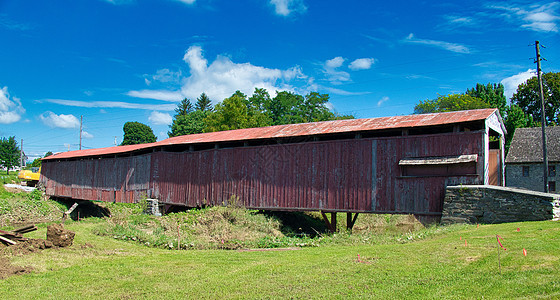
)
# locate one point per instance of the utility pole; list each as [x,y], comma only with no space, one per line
[81,122]
[21,155]
[543,119]
[115,140]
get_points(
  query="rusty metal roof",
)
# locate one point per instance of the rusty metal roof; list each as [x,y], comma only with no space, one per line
[295,130]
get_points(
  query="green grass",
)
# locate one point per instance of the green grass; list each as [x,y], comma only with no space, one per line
[24,208]
[438,267]
[432,263]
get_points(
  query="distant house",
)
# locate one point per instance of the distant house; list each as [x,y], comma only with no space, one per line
[524,162]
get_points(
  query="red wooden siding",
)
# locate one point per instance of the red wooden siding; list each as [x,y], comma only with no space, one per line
[358,175]
[123,179]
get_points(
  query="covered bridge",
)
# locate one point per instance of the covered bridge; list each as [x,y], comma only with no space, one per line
[398,164]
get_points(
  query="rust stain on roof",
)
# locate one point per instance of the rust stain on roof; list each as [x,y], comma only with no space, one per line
[294,130]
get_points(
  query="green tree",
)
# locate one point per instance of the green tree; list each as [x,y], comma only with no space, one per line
[9,153]
[285,108]
[516,118]
[235,112]
[37,162]
[184,107]
[188,124]
[137,133]
[203,103]
[452,102]
[528,97]
[493,94]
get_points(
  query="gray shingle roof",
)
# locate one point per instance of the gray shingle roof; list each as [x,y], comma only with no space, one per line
[526,146]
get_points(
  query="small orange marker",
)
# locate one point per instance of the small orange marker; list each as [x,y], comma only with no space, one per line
[518,230]
[477,226]
[465,243]
[524,252]
[460,238]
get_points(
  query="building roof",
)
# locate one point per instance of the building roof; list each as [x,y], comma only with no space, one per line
[295,130]
[526,146]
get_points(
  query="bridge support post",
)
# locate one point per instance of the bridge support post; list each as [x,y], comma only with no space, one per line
[331,225]
[350,221]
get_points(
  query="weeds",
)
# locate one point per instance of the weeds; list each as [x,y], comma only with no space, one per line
[21,208]
[234,227]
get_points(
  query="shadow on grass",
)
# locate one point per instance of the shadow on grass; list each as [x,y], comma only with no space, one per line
[298,223]
[85,209]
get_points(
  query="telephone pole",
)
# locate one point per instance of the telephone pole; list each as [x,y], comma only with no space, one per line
[81,122]
[543,119]
[21,155]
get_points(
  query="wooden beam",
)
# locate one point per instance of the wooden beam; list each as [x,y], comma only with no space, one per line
[331,225]
[7,240]
[350,221]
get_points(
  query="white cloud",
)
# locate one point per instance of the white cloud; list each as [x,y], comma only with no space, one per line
[221,78]
[287,7]
[335,62]
[361,64]
[120,2]
[460,20]
[382,100]
[333,75]
[59,121]
[336,91]
[9,24]
[10,109]
[453,47]
[112,104]
[543,18]
[187,1]
[158,118]
[511,83]
[163,75]
[157,95]
[87,135]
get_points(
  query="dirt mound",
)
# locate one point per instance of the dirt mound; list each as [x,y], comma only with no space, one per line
[27,247]
[21,248]
[7,269]
[59,236]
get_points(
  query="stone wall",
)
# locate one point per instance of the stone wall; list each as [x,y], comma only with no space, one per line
[515,178]
[494,204]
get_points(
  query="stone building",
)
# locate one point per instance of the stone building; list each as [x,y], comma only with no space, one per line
[524,162]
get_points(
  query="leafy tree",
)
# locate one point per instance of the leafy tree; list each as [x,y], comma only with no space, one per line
[285,108]
[516,118]
[137,133]
[314,108]
[188,124]
[235,112]
[37,162]
[481,96]
[493,94]
[184,107]
[9,153]
[452,102]
[528,97]
[203,103]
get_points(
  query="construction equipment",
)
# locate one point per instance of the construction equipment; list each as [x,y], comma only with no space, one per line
[31,176]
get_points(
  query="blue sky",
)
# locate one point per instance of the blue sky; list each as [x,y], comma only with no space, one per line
[132,60]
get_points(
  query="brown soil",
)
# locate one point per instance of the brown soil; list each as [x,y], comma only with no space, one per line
[7,269]
[59,236]
[21,248]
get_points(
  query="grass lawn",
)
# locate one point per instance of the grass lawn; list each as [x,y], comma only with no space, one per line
[438,266]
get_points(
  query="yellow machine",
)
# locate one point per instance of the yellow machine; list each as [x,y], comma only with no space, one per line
[31,176]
